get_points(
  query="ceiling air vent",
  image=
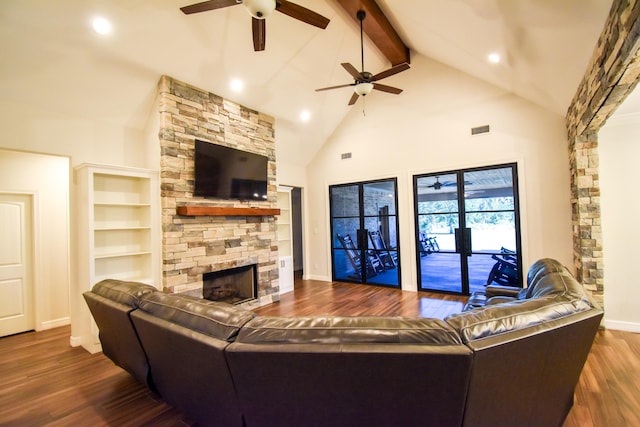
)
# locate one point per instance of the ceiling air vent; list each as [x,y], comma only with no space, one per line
[480,129]
[344,156]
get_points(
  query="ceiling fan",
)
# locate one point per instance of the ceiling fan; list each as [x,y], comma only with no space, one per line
[364,81]
[259,10]
[438,185]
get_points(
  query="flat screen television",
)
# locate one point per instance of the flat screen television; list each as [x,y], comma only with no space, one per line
[228,173]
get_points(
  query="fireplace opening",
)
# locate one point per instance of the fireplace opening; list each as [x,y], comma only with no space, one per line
[233,285]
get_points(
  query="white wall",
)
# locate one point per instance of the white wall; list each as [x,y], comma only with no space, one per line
[82,139]
[68,129]
[47,178]
[619,154]
[427,129]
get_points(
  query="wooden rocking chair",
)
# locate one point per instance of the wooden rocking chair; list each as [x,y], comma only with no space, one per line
[387,258]
[372,263]
[505,270]
[428,245]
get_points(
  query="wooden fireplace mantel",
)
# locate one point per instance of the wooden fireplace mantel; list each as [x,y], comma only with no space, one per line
[225,211]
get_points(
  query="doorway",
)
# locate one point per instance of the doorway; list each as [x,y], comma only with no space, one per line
[468,229]
[364,229]
[296,227]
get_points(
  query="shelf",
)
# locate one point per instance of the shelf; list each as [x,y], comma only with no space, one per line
[119,255]
[225,211]
[117,204]
[109,188]
[121,228]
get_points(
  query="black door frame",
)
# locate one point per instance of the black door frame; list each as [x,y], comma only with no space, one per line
[463,233]
[361,238]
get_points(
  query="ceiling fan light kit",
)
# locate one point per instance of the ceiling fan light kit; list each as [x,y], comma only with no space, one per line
[260,8]
[363,89]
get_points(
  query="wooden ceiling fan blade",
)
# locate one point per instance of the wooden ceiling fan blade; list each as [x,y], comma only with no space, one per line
[259,29]
[208,5]
[352,70]
[390,72]
[334,87]
[302,14]
[354,98]
[385,88]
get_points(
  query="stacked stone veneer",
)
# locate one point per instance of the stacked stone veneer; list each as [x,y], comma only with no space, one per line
[194,245]
[613,73]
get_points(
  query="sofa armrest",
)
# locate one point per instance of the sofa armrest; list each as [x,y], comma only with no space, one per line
[499,300]
[501,290]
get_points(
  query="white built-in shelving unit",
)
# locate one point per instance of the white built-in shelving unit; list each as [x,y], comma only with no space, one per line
[285,240]
[118,232]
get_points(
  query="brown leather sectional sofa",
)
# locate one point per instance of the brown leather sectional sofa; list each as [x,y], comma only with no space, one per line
[514,361]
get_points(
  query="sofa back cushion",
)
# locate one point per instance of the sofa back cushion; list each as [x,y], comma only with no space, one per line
[185,339]
[111,303]
[349,371]
[528,352]
[122,292]
[214,319]
[517,315]
[539,270]
[337,329]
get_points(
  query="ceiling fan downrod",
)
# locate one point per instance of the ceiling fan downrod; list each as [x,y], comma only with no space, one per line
[361,15]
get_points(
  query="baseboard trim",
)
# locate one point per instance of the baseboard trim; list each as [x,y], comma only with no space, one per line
[55,323]
[320,278]
[622,326]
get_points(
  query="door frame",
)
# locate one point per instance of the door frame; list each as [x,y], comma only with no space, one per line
[361,217]
[460,173]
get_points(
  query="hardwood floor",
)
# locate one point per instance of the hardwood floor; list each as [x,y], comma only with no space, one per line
[46,382]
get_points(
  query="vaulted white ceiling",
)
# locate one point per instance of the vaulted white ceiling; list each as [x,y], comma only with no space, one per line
[53,63]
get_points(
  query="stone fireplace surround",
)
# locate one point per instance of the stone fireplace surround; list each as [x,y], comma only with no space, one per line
[194,245]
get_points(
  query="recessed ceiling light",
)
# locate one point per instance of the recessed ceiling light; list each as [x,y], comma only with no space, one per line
[101,25]
[494,58]
[305,115]
[236,85]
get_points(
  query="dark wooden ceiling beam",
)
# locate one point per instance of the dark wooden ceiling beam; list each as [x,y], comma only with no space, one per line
[378,28]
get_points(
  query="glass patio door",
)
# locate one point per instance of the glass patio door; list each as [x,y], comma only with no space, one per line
[467,225]
[364,229]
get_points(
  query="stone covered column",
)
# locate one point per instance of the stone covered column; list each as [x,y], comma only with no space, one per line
[585,206]
[613,73]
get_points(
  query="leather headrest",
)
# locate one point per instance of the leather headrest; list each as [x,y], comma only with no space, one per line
[215,319]
[126,293]
[337,329]
[513,316]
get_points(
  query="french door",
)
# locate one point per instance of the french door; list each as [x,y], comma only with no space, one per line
[468,229]
[364,230]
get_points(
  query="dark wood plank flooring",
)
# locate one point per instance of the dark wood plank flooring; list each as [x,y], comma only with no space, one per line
[44,381]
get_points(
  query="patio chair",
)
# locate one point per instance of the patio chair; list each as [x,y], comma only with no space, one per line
[353,254]
[428,245]
[505,270]
[387,258]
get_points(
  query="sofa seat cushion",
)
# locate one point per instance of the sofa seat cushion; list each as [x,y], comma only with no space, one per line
[126,293]
[498,319]
[342,330]
[214,319]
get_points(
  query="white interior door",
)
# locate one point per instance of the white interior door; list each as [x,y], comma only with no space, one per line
[16,284]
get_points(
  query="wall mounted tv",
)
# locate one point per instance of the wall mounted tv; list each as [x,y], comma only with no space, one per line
[227,173]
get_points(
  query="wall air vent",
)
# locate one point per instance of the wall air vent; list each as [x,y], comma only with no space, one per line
[480,129]
[344,156]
